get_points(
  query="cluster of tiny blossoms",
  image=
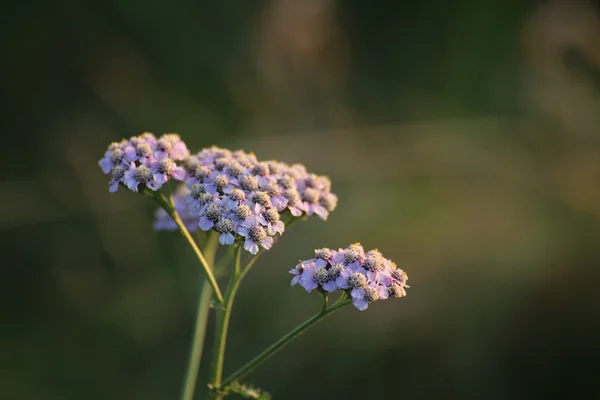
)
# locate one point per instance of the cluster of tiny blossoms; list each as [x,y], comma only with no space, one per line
[230,192]
[366,277]
[237,195]
[144,160]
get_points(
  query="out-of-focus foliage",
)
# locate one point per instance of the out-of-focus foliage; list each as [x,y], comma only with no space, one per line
[461,137]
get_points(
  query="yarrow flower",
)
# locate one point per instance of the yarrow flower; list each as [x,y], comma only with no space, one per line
[144,160]
[247,200]
[364,276]
[231,192]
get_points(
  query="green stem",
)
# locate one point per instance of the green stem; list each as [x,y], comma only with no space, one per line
[191,378]
[189,385]
[278,345]
[223,318]
[168,207]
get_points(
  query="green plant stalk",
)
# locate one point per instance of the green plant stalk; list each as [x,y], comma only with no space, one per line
[191,378]
[293,334]
[223,318]
[189,385]
[170,209]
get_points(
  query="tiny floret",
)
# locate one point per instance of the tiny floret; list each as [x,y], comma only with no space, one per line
[221,181]
[242,212]
[320,275]
[395,290]
[196,190]
[213,212]
[335,271]
[225,225]
[257,234]
[237,195]
[357,280]
[373,263]
[310,195]
[324,253]
[261,198]
[261,169]
[399,275]
[248,182]
[371,294]
[234,169]
[271,215]
[167,166]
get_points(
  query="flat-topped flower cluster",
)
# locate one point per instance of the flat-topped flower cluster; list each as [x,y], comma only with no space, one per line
[237,195]
[230,192]
[366,277]
[144,160]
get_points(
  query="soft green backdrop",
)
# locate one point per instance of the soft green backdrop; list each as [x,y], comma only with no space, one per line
[461,137]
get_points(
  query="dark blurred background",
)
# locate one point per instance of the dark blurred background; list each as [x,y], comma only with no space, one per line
[463,141]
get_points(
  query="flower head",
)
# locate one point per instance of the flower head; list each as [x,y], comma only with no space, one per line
[365,277]
[230,192]
[144,161]
[255,197]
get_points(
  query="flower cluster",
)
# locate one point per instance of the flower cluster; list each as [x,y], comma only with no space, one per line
[366,277]
[239,196]
[144,160]
[230,192]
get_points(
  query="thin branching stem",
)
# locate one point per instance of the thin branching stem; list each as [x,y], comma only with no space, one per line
[204,300]
[170,209]
[290,336]
[223,318]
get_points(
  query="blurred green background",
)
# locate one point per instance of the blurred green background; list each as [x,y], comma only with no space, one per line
[461,137]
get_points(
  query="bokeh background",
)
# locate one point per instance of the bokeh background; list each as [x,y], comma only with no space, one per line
[462,138]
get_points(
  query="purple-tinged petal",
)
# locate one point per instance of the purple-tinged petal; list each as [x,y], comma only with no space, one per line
[211,188]
[383,292]
[342,280]
[106,165]
[153,185]
[357,293]
[320,262]
[160,179]
[321,211]
[280,227]
[279,202]
[251,221]
[295,211]
[373,276]
[360,304]
[129,179]
[205,224]
[354,265]
[178,173]
[130,154]
[330,286]
[227,189]
[251,246]
[309,285]
[267,243]
[226,239]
